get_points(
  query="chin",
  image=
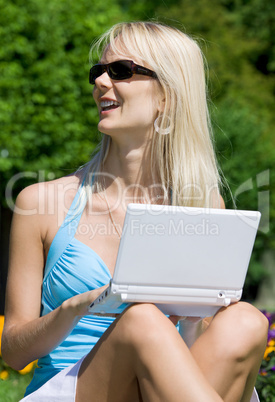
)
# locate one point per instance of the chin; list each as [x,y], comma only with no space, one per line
[104,129]
[107,130]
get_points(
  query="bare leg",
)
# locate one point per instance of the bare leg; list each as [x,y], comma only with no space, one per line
[230,351]
[141,357]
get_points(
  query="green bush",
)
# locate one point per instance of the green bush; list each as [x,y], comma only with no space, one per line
[48,118]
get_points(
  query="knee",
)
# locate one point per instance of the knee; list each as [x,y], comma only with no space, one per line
[253,327]
[142,323]
[243,331]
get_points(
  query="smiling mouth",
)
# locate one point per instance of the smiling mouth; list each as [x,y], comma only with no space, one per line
[108,105]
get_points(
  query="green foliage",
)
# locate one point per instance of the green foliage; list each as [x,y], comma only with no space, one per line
[258,19]
[266,383]
[266,379]
[13,389]
[47,113]
[49,121]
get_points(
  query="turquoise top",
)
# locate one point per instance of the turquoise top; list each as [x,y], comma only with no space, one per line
[71,268]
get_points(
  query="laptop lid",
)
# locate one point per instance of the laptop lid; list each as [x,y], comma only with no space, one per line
[171,246]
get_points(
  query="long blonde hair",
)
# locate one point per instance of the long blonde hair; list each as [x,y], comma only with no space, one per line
[184,159]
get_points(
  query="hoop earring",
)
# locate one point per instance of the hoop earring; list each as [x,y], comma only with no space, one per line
[162,131]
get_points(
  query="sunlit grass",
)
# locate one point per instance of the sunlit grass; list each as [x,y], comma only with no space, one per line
[13,388]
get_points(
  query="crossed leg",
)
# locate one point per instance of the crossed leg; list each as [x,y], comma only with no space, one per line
[230,351]
[142,357]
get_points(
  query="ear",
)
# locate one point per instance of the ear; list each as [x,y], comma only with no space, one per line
[161,100]
[161,104]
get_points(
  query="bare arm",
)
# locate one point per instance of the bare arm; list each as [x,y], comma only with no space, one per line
[26,335]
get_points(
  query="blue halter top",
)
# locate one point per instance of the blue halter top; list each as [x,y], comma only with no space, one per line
[71,268]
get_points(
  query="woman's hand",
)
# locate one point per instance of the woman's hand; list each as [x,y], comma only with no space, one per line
[79,305]
[30,339]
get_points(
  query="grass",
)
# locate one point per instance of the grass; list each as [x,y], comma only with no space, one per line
[13,388]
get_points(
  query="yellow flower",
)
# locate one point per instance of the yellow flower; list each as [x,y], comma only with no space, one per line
[268,350]
[2,318]
[271,342]
[4,375]
[27,369]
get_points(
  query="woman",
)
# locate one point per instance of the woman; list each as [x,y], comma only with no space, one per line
[150,92]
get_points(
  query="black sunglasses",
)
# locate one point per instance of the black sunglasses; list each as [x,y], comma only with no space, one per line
[119,70]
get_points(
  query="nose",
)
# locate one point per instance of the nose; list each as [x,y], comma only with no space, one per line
[103,80]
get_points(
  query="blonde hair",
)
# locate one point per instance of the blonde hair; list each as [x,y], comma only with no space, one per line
[184,160]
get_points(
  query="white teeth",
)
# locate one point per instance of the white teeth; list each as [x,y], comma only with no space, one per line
[108,103]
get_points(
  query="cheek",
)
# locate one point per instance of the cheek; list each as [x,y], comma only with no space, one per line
[143,107]
[95,97]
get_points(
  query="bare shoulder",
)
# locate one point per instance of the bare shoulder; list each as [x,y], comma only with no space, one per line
[216,200]
[222,203]
[43,206]
[42,197]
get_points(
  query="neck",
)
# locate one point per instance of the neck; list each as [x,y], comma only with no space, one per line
[129,162]
[129,172]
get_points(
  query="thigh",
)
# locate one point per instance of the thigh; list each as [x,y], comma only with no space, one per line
[230,351]
[107,372]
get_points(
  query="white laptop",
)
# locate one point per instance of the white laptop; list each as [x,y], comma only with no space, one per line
[188,261]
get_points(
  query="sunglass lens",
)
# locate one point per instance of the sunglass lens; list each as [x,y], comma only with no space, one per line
[120,70]
[95,72]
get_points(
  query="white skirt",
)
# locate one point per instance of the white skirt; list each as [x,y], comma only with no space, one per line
[62,387]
